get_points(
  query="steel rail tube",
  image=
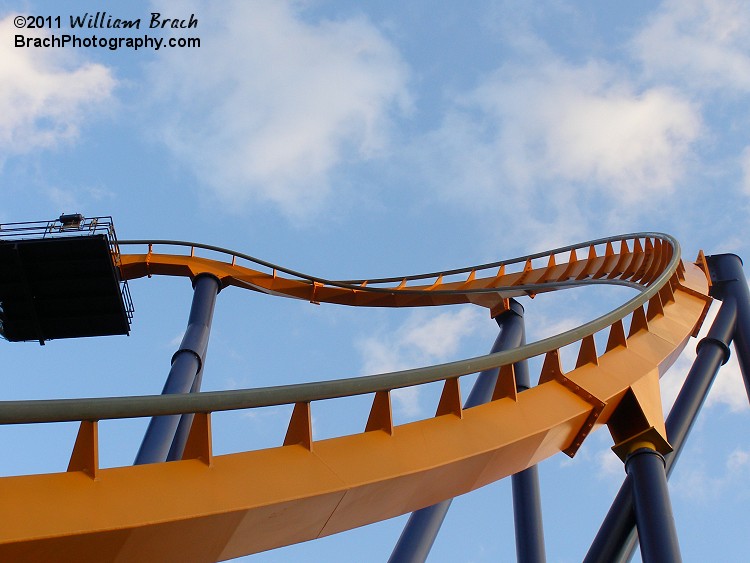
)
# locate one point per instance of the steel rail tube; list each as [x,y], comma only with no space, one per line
[421,530]
[520,289]
[60,410]
[544,254]
[523,288]
[355,283]
[616,538]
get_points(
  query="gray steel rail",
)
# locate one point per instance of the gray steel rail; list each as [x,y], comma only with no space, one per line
[357,284]
[61,410]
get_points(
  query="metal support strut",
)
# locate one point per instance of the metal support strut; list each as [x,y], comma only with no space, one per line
[729,282]
[166,435]
[616,539]
[653,510]
[423,525]
[527,498]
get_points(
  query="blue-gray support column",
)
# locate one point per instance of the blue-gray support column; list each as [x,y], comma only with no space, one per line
[423,525]
[616,539]
[653,510]
[729,280]
[527,516]
[187,364]
[527,498]
[186,421]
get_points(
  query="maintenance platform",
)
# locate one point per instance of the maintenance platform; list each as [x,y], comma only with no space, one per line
[59,279]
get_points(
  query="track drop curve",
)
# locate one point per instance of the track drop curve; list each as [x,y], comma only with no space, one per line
[253,501]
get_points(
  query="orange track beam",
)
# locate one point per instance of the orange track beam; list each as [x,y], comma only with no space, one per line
[216,508]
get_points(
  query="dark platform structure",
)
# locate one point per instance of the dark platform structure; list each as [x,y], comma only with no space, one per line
[58,279]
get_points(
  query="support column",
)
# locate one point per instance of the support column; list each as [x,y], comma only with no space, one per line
[421,529]
[527,516]
[184,376]
[527,498]
[616,539]
[186,422]
[653,510]
[729,280]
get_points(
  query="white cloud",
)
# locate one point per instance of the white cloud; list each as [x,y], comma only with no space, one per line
[745,166]
[583,125]
[44,93]
[407,400]
[270,103]
[562,146]
[728,389]
[701,483]
[65,200]
[700,42]
[738,460]
[548,325]
[423,339]
[70,199]
[439,337]
[609,464]
[671,382]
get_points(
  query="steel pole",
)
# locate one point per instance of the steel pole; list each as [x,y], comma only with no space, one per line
[527,516]
[423,525]
[729,281]
[616,539]
[186,421]
[527,498]
[187,364]
[653,510]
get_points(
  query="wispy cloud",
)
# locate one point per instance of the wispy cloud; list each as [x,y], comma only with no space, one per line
[558,142]
[701,484]
[68,199]
[423,339]
[44,94]
[297,96]
[738,460]
[745,166]
[586,124]
[610,466]
[701,43]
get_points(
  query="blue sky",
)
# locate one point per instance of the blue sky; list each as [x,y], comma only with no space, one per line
[374,139]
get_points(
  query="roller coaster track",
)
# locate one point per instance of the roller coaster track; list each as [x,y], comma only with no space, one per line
[247,502]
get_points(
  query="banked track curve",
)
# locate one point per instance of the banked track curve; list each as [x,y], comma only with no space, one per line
[253,501]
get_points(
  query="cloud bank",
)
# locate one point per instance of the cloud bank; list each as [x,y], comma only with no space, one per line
[44,96]
[700,43]
[570,125]
[272,103]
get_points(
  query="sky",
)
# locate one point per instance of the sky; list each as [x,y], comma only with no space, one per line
[370,139]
